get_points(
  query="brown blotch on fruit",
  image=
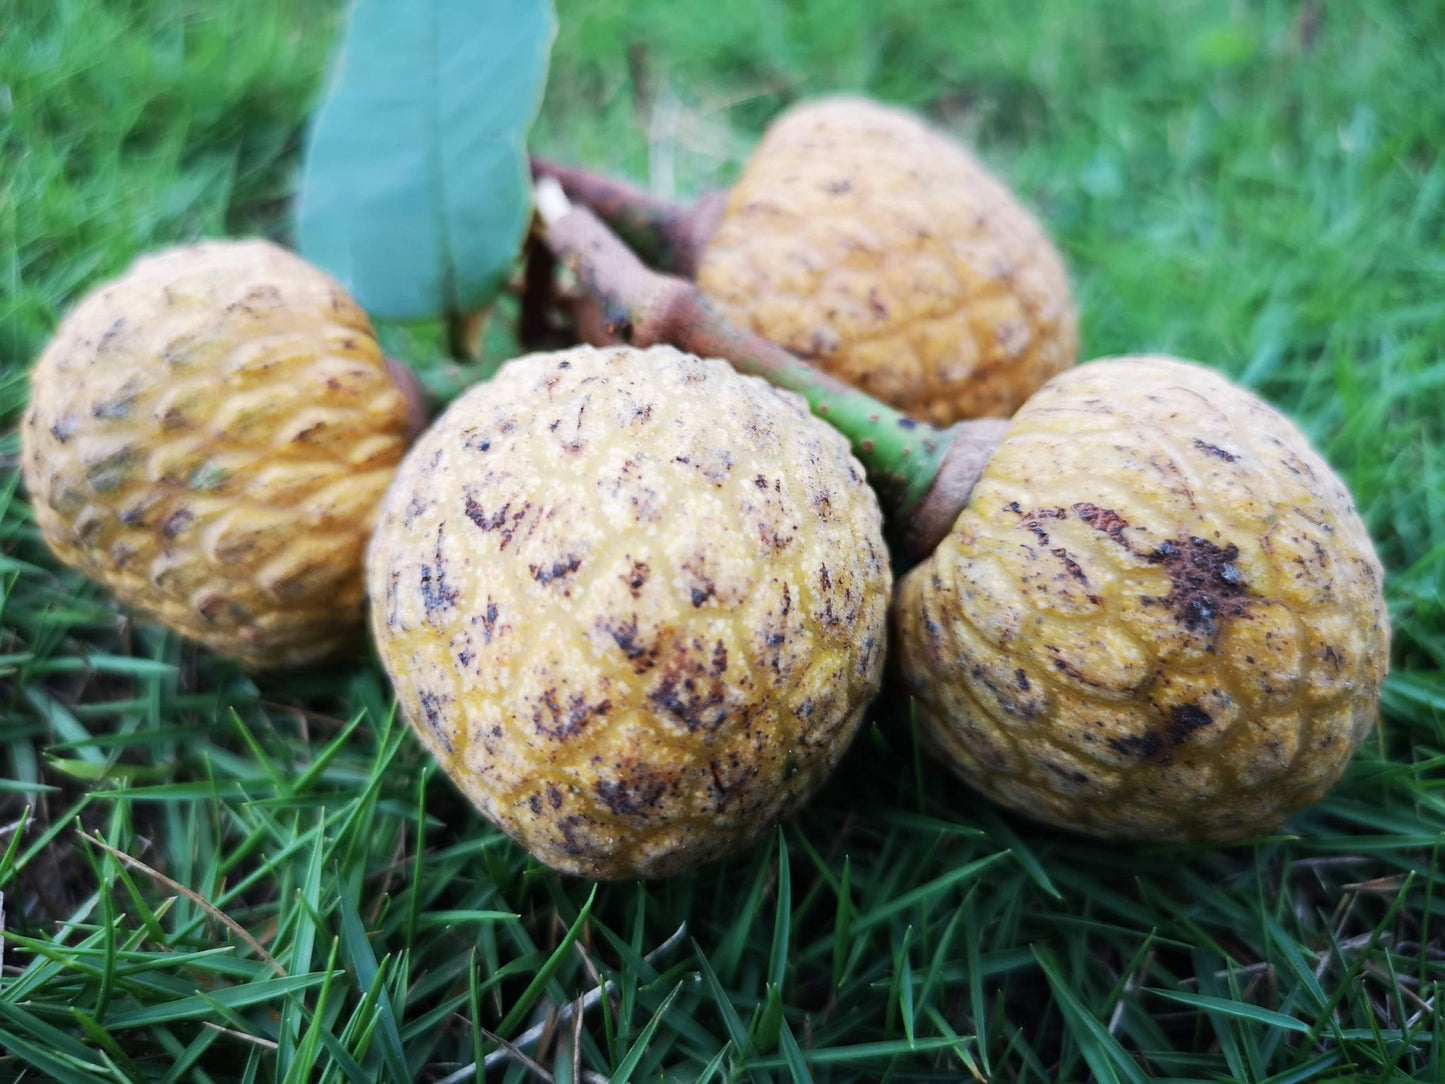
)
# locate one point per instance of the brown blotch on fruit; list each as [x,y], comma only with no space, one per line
[1103,519]
[1207,584]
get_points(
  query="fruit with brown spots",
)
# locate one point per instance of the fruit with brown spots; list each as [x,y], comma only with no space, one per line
[883,252]
[633,602]
[1159,616]
[208,437]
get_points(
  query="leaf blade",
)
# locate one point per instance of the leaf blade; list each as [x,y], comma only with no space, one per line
[415,190]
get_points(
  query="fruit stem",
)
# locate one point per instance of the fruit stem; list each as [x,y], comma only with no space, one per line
[666,234]
[922,474]
[418,410]
[430,390]
[464,335]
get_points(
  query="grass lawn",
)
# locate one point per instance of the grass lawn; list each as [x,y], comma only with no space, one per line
[212,876]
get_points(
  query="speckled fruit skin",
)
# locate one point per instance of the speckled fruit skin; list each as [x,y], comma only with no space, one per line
[208,437]
[1158,619]
[876,248]
[633,602]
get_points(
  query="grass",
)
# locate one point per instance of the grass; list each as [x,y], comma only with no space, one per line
[210,876]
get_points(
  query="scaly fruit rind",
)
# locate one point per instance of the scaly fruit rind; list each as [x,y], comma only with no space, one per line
[633,602]
[876,248]
[208,437]
[1159,618]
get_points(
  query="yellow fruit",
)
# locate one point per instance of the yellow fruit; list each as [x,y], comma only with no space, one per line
[633,602]
[1159,617]
[881,251]
[208,437]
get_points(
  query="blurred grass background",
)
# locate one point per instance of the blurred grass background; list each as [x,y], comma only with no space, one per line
[1258,185]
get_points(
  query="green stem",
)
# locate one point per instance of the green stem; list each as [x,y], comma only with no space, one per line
[464,335]
[901,455]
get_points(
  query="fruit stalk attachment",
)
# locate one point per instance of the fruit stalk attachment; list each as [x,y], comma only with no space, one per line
[464,336]
[664,233]
[922,474]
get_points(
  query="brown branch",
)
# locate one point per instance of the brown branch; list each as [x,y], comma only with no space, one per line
[669,235]
[923,475]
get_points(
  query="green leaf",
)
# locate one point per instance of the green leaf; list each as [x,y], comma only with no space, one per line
[731,1021]
[362,963]
[199,1006]
[38,1055]
[1239,1009]
[1106,1056]
[793,1056]
[845,1055]
[771,1021]
[416,192]
[778,956]
[628,1065]
[544,973]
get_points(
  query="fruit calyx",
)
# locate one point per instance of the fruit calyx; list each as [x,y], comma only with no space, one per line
[416,406]
[923,474]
